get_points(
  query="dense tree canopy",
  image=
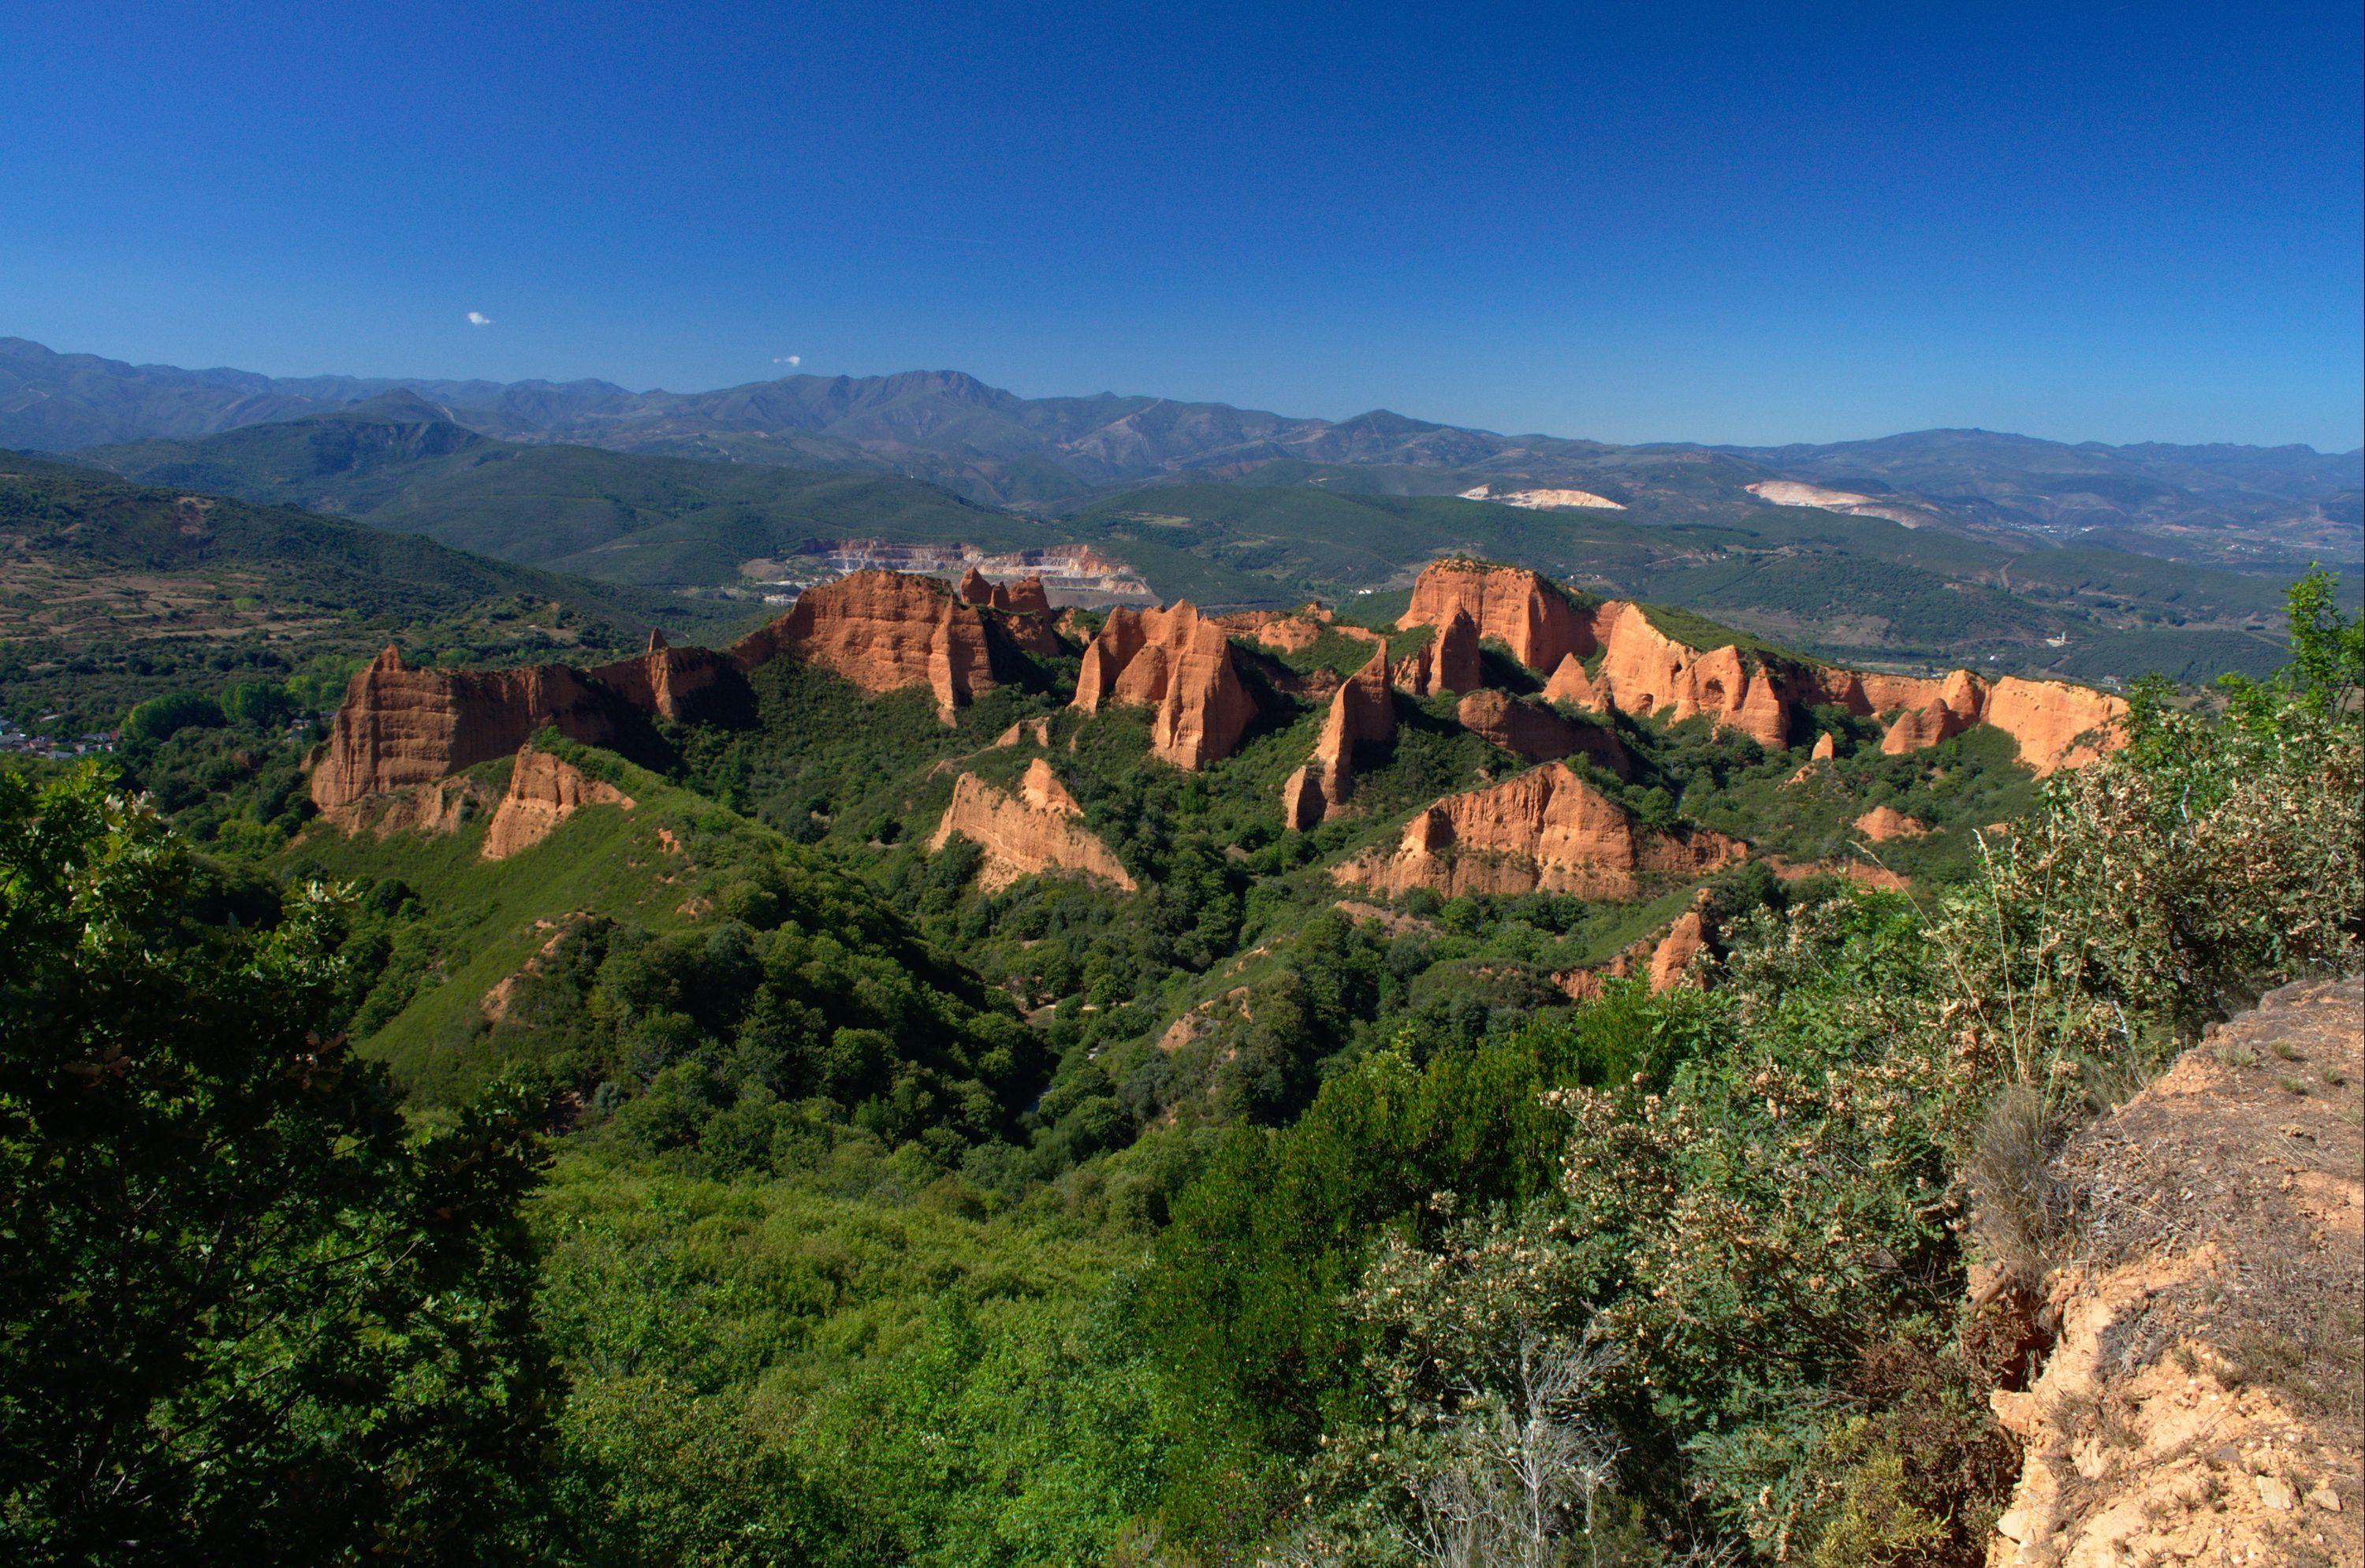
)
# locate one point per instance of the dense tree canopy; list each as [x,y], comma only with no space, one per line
[246,1312]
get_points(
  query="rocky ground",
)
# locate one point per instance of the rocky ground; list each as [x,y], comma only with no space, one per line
[2203,1403]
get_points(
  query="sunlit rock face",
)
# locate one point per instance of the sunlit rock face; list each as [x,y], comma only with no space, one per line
[1179,663]
[1643,670]
[884,632]
[400,727]
[543,791]
[1038,829]
[1514,606]
[1545,831]
[1363,711]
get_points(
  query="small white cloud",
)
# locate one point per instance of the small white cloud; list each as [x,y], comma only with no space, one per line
[478,318]
[792,360]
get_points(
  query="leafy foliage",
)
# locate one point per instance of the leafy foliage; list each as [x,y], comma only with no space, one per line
[244,1311]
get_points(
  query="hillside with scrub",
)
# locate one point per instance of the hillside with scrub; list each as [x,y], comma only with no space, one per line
[1514,1075]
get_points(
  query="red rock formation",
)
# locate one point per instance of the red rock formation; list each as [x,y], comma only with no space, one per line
[1027,595]
[677,683]
[884,631]
[1039,829]
[1825,749]
[2054,723]
[543,791]
[1458,665]
[1120,640]
[1942,710]
[1543,831]
[1536,734]
[427,810]
[1029,633]
[1290,630]
[1662,957]
[1570,684]
[1363,711]
[1645,671]
[1684,942]
[1541,624]
[1180,663]
[1448,664]
[1884,822]
[401,726]
[1036,729]
[2057,724]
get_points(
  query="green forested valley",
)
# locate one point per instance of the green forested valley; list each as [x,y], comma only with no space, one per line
[740,1166]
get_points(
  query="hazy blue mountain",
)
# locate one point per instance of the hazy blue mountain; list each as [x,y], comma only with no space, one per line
[2267,509]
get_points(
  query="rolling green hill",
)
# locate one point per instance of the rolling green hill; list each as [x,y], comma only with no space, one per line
[110,592]
[396,463]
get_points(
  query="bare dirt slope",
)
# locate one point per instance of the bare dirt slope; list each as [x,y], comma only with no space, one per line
[2203,1404]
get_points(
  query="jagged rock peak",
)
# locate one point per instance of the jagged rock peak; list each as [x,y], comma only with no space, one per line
[1179,663]
[545,791]
[885,631]
[1643,670]
[1039,829]
[1363,711]
[1546,830]
[1527,612]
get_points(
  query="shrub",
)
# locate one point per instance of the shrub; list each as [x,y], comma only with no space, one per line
[161,717]
[244,1314]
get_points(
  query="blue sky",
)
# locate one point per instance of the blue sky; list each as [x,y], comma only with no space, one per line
[1760,223]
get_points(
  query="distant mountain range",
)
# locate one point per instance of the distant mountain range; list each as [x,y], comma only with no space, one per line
[2265,508]
[398,462]
[1853,583]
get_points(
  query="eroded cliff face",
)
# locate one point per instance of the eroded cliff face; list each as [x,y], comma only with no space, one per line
[1670,960]
[1022,609]
[401,726]
[1292,631]
[1448,664]
[1536,734]
[884,632]
[1546,830]
[1363,711]
[1179,663]
[2057,724]
[1643,670]
[1039,829]
[681,684]
[1519,608]
[1570,684]
[2198,1405]
[2054,723]
[545,791]
[1884,822]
